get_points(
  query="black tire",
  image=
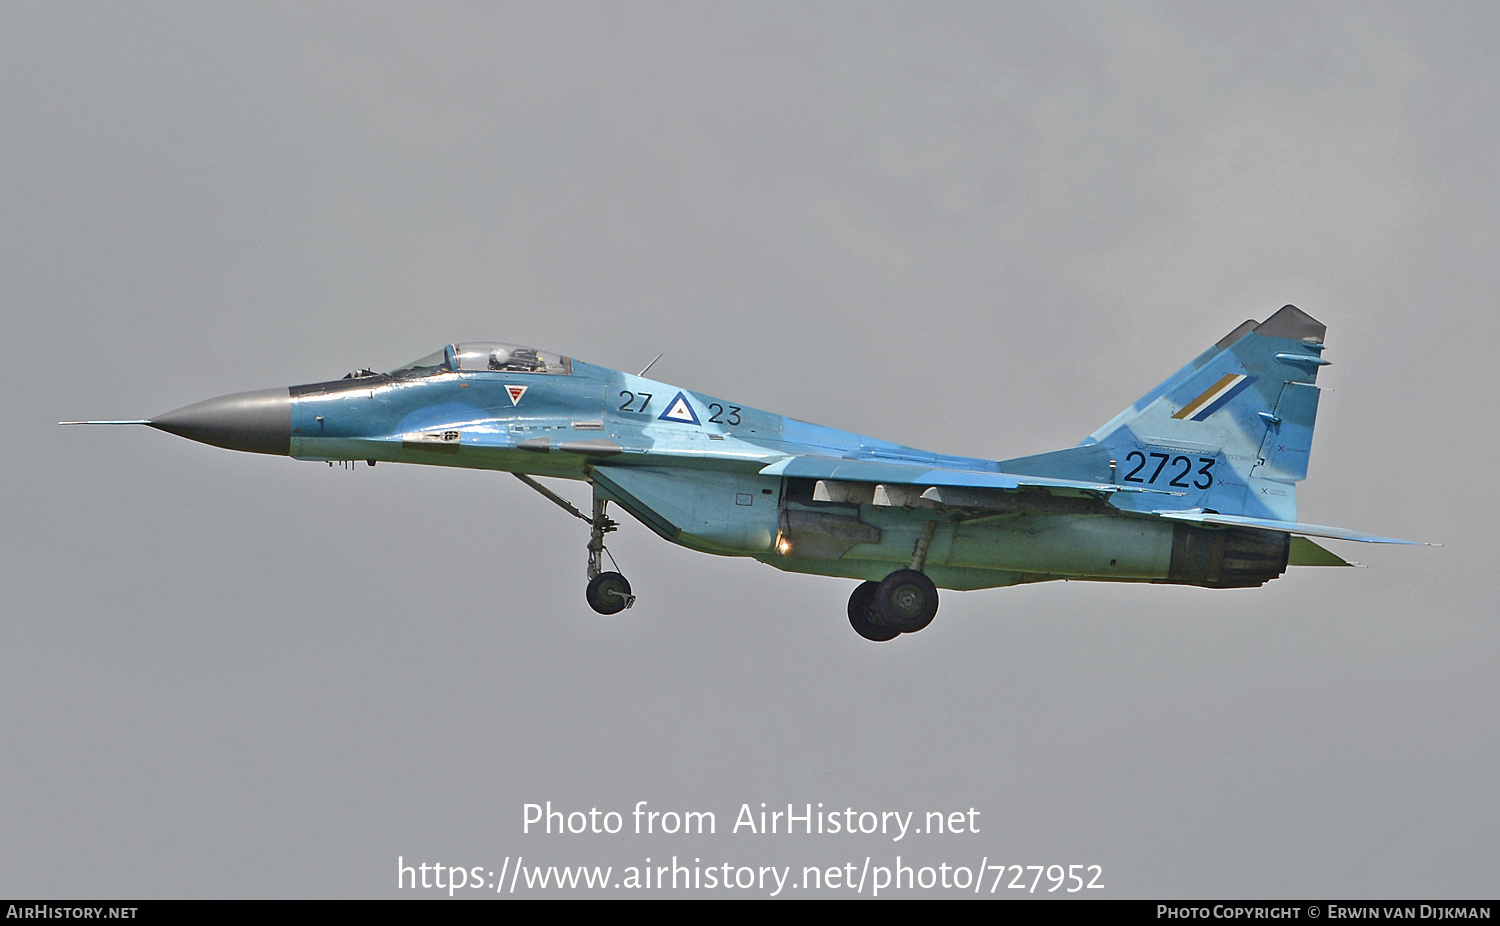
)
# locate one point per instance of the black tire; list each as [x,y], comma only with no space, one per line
[862,614]
[608,593]
[906,600]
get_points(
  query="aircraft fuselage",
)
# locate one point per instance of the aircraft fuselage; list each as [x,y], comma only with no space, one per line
[1194,484]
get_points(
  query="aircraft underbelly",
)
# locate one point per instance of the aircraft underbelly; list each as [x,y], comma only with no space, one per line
[713,511]
[1025,547]
[870,541]
[1070,544]
[1060,545]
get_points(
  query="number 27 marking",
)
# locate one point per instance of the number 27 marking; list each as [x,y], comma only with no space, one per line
[630,399]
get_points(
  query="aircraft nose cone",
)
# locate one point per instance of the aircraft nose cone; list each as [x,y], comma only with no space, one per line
[256,422]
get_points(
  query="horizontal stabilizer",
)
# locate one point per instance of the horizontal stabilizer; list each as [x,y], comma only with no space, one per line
[810,467]
[1304,552]
[1286,527]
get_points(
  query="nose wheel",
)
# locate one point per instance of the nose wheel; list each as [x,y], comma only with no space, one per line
[609,593]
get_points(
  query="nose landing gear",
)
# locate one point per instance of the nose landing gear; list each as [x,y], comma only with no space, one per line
[607,592]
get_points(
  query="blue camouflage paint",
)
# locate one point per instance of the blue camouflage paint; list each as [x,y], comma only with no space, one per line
[1193,484]
[832,502]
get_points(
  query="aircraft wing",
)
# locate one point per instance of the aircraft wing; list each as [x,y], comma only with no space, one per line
[921,474]
[1286,527]
[974,488]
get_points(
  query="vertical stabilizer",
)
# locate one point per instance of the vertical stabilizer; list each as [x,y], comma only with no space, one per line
[1230,432]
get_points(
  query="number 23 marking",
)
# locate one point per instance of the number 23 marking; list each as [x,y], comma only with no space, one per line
[1205,470]
[717,417]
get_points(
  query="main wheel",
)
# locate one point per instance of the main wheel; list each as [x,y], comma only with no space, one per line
[862,614]
[906,600]
[608,593]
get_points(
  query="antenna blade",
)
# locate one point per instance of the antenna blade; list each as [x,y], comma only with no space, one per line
[652,363]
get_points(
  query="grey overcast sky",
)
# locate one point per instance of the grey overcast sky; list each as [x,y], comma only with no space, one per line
[976,228]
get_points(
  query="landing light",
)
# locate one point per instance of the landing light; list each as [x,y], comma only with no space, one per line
[783,545]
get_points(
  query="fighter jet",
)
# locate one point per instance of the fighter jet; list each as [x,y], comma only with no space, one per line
[1193,484]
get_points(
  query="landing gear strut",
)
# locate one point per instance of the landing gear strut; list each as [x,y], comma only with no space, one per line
[607,592]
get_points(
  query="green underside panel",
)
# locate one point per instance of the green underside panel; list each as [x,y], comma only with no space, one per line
[1306,553]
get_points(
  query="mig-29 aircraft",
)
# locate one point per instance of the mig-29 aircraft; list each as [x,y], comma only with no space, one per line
[1194,484]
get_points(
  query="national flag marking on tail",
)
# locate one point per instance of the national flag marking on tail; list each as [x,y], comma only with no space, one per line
[1215,397]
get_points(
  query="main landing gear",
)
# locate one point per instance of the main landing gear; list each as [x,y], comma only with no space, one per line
[903,602]
[607,592]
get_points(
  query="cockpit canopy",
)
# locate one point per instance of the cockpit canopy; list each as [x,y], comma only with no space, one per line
[490,356]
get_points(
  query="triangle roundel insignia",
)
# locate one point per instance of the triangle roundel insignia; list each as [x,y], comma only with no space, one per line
[515,393]
[679,409]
